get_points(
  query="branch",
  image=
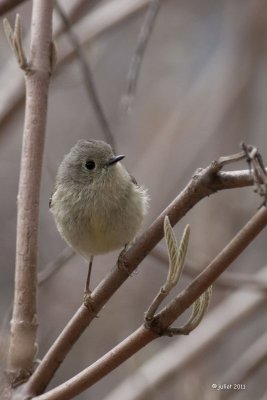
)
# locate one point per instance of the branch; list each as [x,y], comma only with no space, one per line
[24,321]
[144,35]
[88,78]
[142,336]
[204,183]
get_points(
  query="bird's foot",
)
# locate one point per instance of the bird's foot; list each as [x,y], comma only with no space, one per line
[121,263]
[89,302]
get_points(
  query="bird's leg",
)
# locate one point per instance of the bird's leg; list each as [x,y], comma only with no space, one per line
[87,299]
[87,285]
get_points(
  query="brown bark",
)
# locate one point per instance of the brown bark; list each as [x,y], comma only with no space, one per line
[24,320]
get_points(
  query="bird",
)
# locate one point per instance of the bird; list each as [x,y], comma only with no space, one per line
[97,205]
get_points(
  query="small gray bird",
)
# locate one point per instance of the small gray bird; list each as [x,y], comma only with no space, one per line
[97,205]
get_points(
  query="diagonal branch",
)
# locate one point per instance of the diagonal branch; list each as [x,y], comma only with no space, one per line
[204,183]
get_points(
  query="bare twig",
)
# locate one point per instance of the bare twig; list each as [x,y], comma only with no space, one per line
[204,183]
[164,319]
[88,78]
[144,35]
[24,322]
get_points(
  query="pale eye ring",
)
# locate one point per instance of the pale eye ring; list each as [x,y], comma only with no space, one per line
[90,164]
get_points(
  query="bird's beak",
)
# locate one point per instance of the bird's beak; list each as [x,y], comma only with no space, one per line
[114,160]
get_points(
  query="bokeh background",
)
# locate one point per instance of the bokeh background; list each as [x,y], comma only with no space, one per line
[202,90]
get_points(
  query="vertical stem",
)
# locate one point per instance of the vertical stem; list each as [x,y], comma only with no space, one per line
[24,320]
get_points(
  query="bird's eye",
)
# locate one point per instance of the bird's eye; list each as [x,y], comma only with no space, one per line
[90,164]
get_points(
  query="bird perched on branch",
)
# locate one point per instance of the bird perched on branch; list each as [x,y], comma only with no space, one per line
[97,205]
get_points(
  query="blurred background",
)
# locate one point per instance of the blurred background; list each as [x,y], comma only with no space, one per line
[201,90]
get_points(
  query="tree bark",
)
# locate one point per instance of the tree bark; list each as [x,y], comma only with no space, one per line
[24,320]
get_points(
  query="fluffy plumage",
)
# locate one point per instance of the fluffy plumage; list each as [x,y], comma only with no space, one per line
[100,209]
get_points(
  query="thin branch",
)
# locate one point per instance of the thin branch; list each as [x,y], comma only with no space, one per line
[88,77]
[142,336]
[204,183]
[24,321]
[144,35]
